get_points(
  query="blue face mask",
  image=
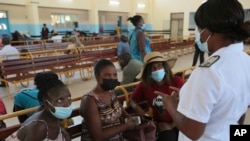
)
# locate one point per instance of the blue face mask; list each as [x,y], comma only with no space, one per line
[158,75]
[203,46]
[62,112]
[143,26]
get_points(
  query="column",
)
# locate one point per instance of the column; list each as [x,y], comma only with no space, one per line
[93,17]
[150,11]
[33,17]
[132,13]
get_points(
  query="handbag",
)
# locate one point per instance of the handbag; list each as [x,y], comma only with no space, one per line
[144,132]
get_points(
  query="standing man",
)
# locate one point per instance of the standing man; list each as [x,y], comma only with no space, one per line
[45,32]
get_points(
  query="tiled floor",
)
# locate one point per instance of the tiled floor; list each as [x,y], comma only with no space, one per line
[79,87]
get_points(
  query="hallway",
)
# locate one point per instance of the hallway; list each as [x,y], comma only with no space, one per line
[79,87]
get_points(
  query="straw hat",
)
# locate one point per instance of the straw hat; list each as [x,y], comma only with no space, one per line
[156,57]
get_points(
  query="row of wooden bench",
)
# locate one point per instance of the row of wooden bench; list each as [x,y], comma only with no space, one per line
[76,129]
[23,70]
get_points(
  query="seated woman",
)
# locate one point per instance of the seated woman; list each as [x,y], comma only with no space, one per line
[156,76]
[101,109]
[27,98]
[75,44]
[45,124]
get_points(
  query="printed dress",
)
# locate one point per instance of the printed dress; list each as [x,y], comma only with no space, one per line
[109,116]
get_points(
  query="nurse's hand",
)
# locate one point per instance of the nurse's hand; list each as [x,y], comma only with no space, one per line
[170,102]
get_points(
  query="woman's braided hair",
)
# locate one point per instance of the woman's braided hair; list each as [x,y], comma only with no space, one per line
[44,82]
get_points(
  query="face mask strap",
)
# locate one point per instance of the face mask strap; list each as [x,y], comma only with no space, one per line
[208,37]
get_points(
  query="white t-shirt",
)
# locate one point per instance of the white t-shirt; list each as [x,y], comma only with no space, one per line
[57,38]
[8,49]
[218,95]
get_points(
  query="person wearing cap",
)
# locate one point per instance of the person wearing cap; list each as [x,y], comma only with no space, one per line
[157,76]
[216,94]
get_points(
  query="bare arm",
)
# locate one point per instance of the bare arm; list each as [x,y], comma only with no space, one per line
[88,110]
[141,43]
[242,119]
[138,110]
[21,118]
[30,132]
[191,128]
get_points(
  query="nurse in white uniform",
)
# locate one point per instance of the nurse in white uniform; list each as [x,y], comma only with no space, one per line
[217,94]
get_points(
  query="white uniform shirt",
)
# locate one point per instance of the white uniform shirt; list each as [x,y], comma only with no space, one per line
[218,95]
[8,49]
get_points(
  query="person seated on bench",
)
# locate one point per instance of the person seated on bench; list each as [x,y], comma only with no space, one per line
[75,44]
[24,54]
[56,37]
[123,45]
[131,68]
[7,49]
[156,76]
[101,109]
[45,124]
[27,98]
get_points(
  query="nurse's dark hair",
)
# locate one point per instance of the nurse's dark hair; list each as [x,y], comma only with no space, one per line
[225,17]
[100,65]
[45,81]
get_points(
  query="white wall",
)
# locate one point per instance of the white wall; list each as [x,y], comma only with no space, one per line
[156,11]
[163,8]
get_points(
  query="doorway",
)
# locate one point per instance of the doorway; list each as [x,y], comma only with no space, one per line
[176,26]
[4,23]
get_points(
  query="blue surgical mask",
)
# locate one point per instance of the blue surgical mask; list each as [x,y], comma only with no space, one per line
[158,75]
[203,46]
[62,112]
[143,26]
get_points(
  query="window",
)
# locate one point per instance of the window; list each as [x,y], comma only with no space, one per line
[3,14]
[64,20]
[191,25]
[247,14]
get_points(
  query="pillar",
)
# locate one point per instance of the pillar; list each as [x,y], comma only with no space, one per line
[93,17]
[33,17]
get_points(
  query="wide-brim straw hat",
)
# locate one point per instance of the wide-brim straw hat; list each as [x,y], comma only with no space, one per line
[156,57]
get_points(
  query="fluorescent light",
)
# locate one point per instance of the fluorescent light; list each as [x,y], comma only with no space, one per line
[141,5]
[65,1]
[114,2]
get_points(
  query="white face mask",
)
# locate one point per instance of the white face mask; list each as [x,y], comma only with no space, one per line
[203,46]
[158,75]
[143,26]
[61,112]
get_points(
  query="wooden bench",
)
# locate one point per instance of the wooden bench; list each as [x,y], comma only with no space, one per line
[16,71]
[31,48]
[54,46]
[74,131]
